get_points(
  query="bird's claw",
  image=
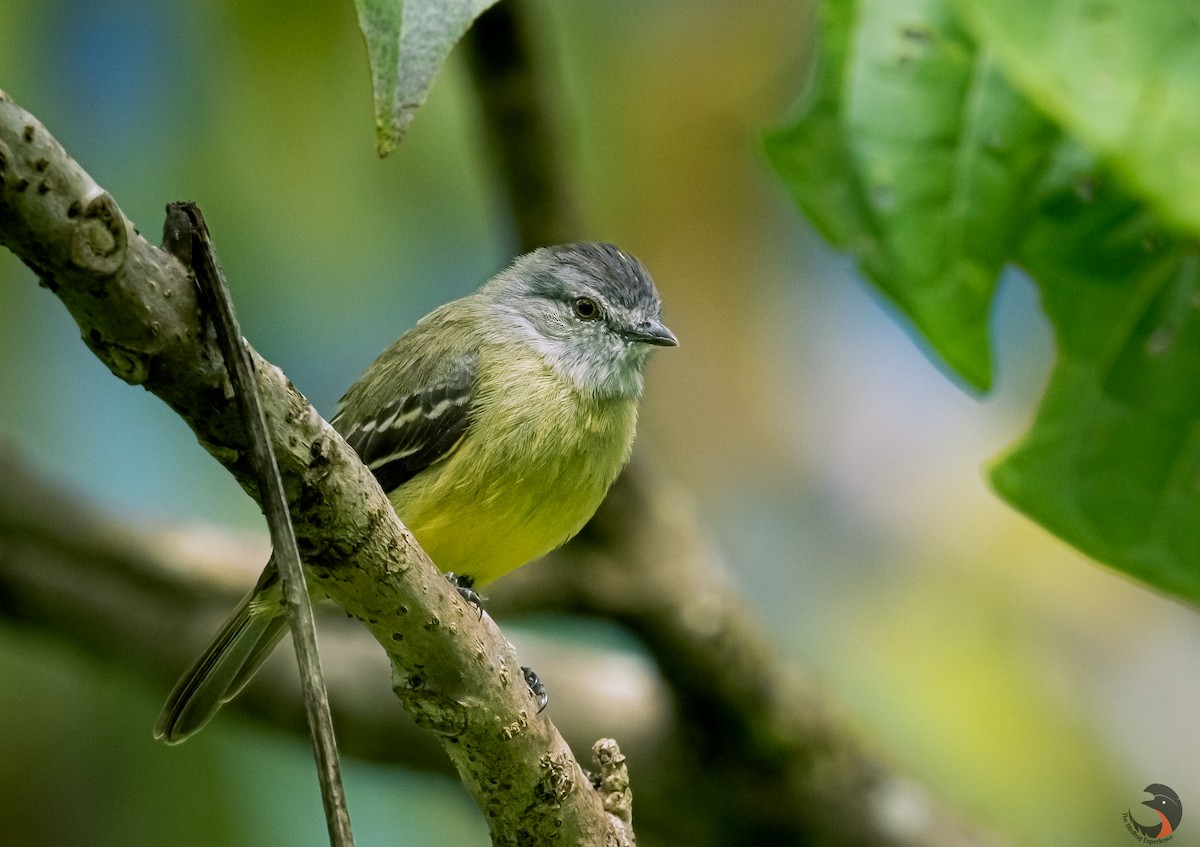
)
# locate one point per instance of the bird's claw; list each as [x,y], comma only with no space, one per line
[464,585]
[540,694]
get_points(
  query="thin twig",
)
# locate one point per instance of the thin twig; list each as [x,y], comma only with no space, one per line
[214,294]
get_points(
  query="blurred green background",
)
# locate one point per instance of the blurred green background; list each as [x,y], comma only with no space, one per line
[840,472]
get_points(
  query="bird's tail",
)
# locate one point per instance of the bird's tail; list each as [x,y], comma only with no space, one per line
[238,650]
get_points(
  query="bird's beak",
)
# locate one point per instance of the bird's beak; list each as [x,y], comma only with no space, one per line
[653,332]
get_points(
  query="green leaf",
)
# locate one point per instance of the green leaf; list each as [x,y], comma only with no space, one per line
[1112,463]
[912,151]
[407,44]
[1122,75]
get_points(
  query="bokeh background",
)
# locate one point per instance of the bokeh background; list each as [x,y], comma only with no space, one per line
[838,469]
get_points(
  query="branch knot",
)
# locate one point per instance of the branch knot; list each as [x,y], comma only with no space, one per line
[98,240]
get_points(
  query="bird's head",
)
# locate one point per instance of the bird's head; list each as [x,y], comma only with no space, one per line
[591,310]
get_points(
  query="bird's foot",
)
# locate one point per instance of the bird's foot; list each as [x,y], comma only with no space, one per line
[465,586]
[537,687]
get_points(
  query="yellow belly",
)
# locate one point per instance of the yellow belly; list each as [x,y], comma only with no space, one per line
[549,458]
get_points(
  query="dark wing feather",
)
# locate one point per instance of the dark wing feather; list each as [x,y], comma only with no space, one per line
[408,433]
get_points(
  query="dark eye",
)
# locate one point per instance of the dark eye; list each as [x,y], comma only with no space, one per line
[585,308]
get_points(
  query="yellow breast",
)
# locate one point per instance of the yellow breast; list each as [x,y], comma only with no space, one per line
[531,471]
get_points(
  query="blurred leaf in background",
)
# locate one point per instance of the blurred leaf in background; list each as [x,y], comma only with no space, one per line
[914,152]
[1122,75]
[1059,136]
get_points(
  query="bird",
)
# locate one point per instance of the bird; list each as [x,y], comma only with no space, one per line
[496,426]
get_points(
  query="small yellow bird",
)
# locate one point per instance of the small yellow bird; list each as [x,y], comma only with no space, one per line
[496,426]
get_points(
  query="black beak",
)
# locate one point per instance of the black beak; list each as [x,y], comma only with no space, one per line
[653,332]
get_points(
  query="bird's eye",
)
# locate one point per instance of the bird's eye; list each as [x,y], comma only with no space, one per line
[585,308]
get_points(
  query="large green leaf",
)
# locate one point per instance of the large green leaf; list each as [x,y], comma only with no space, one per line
[407,44]
[912,150]
[1122,75]
[1112,463]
